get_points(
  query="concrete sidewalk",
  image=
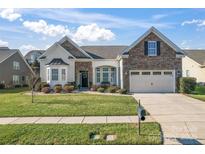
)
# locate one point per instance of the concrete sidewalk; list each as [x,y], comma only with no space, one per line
[72,120]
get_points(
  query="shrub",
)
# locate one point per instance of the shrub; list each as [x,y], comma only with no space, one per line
[94,87]
[44,84]
[58,88]
[187,84]
[101,89]
[122,91]
[46,90]
[111,89]
[17,86]
[68,88]
[25,85]
[2,86]
[105,85]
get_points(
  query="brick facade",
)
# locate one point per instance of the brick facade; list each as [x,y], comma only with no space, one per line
[83,66]
[138,61]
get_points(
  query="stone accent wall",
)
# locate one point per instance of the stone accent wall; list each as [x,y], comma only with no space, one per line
[83,66]
[138,61]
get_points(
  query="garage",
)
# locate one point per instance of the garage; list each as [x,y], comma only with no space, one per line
[152,81]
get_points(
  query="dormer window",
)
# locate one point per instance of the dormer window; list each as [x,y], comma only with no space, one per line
[152,48]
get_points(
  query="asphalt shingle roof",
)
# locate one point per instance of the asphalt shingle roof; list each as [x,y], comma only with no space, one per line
[196,55]
[5,52]
[104,52]
[57,61]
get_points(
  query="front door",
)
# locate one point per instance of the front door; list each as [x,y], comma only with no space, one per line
[84,78]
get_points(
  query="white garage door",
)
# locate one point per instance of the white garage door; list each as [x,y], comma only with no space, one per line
[152,81]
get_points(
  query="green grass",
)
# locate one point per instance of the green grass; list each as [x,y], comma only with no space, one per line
[199,93]
[13,90]
[79,134]
[19,104]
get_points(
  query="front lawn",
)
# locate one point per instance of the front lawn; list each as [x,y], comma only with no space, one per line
[199,93]
[79,134]
[19,104]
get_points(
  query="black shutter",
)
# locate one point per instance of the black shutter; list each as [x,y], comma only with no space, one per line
[158,48]
[146,48]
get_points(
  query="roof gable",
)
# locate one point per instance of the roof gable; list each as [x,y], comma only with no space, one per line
[158,34]
[5,53]
[73,48]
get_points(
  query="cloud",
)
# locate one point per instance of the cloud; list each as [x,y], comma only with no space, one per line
[42,27]
[92,32]
[198,22]
[104,20]
[159,16]
[9,14]
[4,43]
[26,48]
[185,44]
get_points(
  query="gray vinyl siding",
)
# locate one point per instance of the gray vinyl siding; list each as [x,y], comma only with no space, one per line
[7,71]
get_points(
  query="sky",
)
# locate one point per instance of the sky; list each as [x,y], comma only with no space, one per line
[28,29]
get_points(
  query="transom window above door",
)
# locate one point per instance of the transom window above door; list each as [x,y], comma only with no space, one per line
[152,48]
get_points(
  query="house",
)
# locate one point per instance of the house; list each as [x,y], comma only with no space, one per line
[33,55]
[193,64]
[14,70]
[151,64]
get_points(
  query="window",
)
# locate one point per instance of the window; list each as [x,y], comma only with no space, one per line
[156,73]
[145,73]
[113,75]
[152,48]
[54,74]
[187,73]
[105,74]
[98,75]
[135,73]
[48,74]
[16,79]
[167,73]
[23,78]
[16,65]
[63,75]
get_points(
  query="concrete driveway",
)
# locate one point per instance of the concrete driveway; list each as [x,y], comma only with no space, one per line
[182,118]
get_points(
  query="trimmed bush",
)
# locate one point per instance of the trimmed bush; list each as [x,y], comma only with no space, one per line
[68,88]
[105,85]
[94,87]
[18,86]
[46,90]
[187,84]
[44,84]
[58,88]
[101,89]
[2,86]
[25,85]
[122,91]
[111,89]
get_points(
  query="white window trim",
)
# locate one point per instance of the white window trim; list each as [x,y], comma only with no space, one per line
[152,48]
[16,79]
[16,65]
[109,74]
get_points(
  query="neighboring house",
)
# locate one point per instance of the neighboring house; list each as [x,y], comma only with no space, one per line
[151,64]
[14,70]
[33,55]
[193,64]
